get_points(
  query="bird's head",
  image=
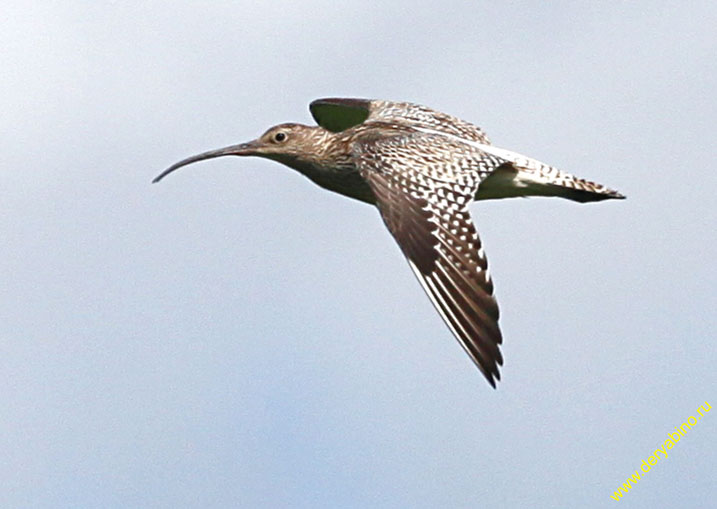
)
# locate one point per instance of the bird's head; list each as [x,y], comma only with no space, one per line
[294,145]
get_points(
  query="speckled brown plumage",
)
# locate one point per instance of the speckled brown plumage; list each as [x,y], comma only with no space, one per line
[421,168]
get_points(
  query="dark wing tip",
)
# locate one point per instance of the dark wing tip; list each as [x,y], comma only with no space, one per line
[336,114]
[493,376]
[489,370]
[346,102]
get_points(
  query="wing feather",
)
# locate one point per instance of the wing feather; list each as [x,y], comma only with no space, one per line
[339,114]
[430,220]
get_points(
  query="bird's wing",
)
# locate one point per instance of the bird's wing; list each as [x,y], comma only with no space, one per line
[338,115]
[423,185]
[335,114]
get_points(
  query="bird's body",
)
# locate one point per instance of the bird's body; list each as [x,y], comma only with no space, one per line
[421,168]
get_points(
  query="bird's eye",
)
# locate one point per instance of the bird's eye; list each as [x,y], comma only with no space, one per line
[280,136]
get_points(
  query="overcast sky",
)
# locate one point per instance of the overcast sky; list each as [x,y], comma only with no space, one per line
[238,337]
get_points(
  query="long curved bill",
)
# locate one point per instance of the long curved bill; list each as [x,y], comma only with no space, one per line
[243,149]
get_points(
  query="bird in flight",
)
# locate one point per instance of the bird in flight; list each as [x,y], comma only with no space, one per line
[421,168]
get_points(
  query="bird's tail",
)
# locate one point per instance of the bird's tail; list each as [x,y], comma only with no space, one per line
[573,188]
[524,176]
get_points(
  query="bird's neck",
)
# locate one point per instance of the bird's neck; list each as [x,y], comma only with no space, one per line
[329,152]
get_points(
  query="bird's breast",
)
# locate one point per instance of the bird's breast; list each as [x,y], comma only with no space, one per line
[345,180]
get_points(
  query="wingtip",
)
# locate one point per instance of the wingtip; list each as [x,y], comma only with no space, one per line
[338,114]
[492,376]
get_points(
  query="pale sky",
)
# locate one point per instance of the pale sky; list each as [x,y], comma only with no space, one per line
[238,337]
